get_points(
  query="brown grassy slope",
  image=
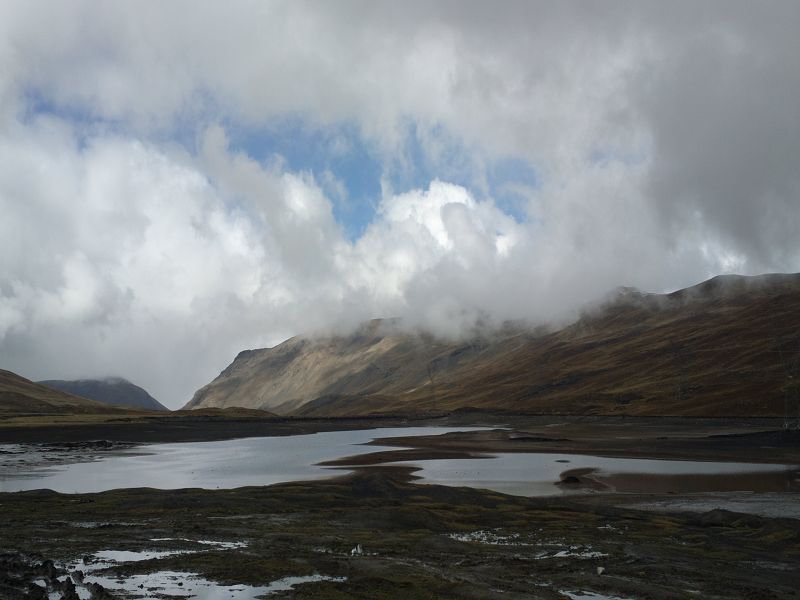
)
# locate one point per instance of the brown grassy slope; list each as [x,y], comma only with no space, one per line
[20,396]
[374,360]
[727,347]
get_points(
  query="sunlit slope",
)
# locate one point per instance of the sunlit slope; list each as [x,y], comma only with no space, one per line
[729,347]
[375,360]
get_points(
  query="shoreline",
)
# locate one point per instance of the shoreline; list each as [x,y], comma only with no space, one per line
[734,439]
[628,545]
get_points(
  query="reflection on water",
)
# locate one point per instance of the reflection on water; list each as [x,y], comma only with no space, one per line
[178,584]
[590,596]
[269,460]
[221,464]
[99,569]
[533,474]
[112,556]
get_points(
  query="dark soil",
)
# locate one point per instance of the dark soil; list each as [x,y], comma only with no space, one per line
[405,532]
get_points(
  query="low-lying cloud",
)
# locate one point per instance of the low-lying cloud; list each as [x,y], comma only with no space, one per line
[137,239]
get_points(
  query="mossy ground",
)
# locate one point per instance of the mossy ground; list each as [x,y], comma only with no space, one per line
[404,530]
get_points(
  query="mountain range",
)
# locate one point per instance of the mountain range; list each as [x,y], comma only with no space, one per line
[729,346]
[20,396]
[115,391]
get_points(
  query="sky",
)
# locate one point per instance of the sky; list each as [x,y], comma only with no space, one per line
[180,181]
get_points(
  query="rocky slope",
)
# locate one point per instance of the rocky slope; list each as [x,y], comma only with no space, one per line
[20,396]
[729,346]
[115,391]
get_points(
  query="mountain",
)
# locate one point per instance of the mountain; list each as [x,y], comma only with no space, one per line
[111,390]
[377,359]
[729,346]
[20,396]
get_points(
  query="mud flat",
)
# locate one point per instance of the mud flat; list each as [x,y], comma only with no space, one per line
[736,440]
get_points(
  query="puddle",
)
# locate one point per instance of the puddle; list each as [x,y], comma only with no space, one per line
[590,596]
[107,558]
[101,524]
[579,552]
[119,556]
[168,583]
[218,545]
[490,538]
[556,547]
[191,585]
[287,583]
[187,585]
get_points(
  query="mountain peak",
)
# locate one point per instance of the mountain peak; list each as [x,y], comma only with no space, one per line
[636,353]
[115,391]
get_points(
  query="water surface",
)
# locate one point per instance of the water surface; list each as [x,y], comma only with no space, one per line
[211,465]
[534,474]
[269,460]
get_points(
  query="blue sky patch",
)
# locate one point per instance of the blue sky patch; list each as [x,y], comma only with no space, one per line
[338,149]
[340,158]
[427,154]
[507,179]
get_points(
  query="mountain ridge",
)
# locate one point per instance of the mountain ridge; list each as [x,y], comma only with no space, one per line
[20,396]
[713,349]
[114,391]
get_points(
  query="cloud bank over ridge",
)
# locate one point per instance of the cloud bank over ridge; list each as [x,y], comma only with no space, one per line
[528,159]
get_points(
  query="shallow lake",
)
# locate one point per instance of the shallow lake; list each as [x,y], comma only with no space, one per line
[534,474]
[211,465]
[270,460]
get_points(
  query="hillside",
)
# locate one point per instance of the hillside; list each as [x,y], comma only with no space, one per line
[112,390]
[20,396]
[377,359]
[727,347]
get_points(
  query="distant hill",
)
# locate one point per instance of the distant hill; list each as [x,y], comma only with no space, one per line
[115,391]
[20,396]
[729,346]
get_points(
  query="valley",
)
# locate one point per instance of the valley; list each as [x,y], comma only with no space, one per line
[371,300]
[648,450]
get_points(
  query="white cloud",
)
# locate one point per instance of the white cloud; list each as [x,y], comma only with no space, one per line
[664,142]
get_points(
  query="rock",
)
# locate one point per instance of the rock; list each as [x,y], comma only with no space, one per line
[98,592]
[68,591]
[47,569]
[36,592]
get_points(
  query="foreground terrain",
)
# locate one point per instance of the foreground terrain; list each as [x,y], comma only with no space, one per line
[375,533]
[415,542]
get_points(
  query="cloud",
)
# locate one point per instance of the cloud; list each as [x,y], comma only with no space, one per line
[652,146]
